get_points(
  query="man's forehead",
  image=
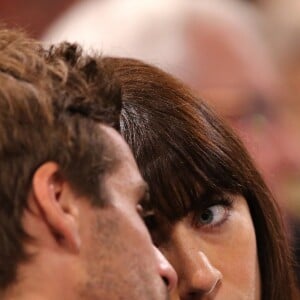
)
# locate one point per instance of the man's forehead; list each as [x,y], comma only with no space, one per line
[125,172]
[118,148]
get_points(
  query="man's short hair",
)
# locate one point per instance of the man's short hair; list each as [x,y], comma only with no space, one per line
[51,105]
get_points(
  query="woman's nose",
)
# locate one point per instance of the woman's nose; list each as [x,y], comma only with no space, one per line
[199,277]
[194,263]
[166,271]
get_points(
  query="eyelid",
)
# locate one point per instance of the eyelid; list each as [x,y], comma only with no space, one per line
[209,199]
[144,212]
[150,220]
[144,202]
[146,197]
[140,209]
[144,206]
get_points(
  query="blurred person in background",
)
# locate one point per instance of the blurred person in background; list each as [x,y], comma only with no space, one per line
[31,15]
[220,50]
[283,34]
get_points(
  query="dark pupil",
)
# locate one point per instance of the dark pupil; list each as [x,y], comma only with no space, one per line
[206,216]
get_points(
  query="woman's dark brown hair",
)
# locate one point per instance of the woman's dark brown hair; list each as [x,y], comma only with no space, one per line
[181,147]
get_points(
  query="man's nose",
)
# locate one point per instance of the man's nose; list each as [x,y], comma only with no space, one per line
[166,271]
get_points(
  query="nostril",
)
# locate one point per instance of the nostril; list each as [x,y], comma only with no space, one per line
[169,277]
[166,281]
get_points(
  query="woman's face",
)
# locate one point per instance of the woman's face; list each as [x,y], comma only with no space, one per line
[213,249]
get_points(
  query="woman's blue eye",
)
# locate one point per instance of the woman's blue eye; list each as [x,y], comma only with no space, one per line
[213,215]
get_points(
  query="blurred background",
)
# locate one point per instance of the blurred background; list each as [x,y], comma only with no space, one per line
[32,15]
[242,57]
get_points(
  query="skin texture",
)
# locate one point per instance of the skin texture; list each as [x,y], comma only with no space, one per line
[205,254]
[118,244]
[86,252]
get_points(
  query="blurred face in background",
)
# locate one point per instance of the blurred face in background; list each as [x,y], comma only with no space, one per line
[239,80]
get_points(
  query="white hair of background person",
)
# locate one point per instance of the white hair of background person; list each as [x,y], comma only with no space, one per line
[150,30]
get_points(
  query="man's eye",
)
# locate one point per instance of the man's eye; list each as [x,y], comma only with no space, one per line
[140,210]
[148,217]
[150,221]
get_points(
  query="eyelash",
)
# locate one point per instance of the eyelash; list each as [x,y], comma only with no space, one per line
[143,209]
[224,202]
[150,221]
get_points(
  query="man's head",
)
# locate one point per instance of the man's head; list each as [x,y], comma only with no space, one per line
[69,224]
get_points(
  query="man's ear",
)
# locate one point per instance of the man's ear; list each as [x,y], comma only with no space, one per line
[56,200]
